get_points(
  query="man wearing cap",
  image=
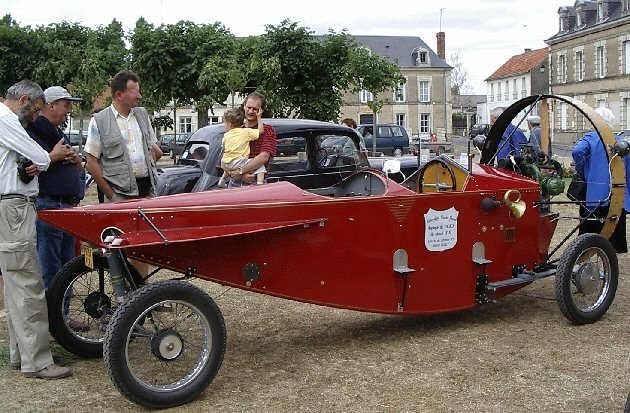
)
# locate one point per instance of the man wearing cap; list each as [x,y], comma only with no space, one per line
[61,186]
[533,123]
[25,301]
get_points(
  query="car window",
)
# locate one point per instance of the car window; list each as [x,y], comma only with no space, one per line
[197,151]
[397,131]
[384,132]
[337,150]
[291,154]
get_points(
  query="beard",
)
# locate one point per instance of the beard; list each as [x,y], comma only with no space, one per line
[25,115]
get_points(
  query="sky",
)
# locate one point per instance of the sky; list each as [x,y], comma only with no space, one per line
[484,33]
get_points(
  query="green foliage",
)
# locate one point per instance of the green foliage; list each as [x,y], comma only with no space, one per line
[162,122]
[20,50]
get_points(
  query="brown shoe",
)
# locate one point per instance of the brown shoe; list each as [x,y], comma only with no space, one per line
[50,373]
[78,325]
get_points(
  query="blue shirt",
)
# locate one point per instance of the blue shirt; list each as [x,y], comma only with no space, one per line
[513,146]
[591,159]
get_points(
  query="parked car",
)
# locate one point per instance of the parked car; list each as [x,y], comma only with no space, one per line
[173,143]
[331,152]
[291,145]
[479,129]
[390,139]
[75,137]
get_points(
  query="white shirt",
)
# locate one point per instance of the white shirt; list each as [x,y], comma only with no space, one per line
[14,141]
[132,138]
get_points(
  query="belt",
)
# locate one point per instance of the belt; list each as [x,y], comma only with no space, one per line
[26,198]
[66,199]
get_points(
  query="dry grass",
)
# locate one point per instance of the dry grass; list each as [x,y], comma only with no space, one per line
[517,355]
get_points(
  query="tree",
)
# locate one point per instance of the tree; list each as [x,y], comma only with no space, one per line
[21,50]
[459,76]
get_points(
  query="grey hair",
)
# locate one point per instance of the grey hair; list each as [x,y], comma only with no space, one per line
[26,88]
[606,114]
[496,112]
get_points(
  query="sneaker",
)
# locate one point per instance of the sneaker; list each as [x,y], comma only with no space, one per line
[50,373]
[78,325]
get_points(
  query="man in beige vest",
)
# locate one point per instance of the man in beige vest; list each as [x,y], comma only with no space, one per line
[121,148]
[121,151]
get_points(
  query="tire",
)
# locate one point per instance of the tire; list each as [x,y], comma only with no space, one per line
[586,279]
[75,294]
[147,348]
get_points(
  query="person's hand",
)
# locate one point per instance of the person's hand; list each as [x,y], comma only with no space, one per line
[32,170]
[62,152]
[259,115]
[248,178]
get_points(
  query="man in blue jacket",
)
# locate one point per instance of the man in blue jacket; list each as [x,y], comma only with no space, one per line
[590,157]
[512,139]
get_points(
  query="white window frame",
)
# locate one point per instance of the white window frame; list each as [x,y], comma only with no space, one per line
[424,90]
[562,68]
[365,96]
[400,119]
[600,61]
[491,92]
[579,65]
[507,90]
[424,122]
[184,124]
[563,116]
[523,87]
[498,91]
[400,93]
[514,89]
[625,46]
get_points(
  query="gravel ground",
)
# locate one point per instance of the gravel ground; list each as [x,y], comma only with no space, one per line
[519,354]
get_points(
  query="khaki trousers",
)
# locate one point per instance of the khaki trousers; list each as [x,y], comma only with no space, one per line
[24,297]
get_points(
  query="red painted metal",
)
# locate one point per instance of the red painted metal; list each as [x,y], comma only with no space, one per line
[330,251]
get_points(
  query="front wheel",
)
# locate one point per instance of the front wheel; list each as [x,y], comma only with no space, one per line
[586,279]
[165,344]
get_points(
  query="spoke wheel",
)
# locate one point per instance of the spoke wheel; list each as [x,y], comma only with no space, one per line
[80,305]
[165,344]
[586,280]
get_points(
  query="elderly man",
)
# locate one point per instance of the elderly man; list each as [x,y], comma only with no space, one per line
[533,123]
[23,290]
[61,186]
[512,139]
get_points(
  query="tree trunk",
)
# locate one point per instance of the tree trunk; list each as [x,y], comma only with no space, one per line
[202,117]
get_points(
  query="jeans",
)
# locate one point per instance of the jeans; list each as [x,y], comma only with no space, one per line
[54,247]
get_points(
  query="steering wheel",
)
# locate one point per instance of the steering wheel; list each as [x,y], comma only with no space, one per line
[325,159]
[441,169]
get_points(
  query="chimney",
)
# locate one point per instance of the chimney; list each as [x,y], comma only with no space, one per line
[441,45]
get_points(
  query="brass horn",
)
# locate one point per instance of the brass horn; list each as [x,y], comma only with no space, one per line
[516,207]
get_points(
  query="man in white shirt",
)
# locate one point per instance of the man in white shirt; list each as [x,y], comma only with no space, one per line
[24,295]
[121,154]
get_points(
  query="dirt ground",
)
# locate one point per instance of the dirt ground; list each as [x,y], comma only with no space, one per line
[519,354]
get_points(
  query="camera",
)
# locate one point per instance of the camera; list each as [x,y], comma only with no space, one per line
[22,164]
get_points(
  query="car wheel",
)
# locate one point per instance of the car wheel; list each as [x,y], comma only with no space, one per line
[586,279]
[165,344]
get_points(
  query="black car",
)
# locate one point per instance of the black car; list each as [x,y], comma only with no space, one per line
[173,143]
[329,153]
[479,129]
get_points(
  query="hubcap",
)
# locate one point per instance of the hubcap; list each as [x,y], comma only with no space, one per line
[97,304]
[587,278]
[167,345]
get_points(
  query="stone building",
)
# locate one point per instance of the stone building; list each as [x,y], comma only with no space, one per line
[589,59]
[422,104]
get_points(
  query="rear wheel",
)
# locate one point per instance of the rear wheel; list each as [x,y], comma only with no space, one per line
[80,305]
[165,344]
[586,279]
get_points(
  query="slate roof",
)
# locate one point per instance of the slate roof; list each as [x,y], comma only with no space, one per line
[399,50]
[520,64]
[615,12]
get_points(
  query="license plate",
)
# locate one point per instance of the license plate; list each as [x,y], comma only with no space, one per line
[87,256]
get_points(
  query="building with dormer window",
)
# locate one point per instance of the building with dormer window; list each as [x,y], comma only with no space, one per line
[423,103]
[589,59]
